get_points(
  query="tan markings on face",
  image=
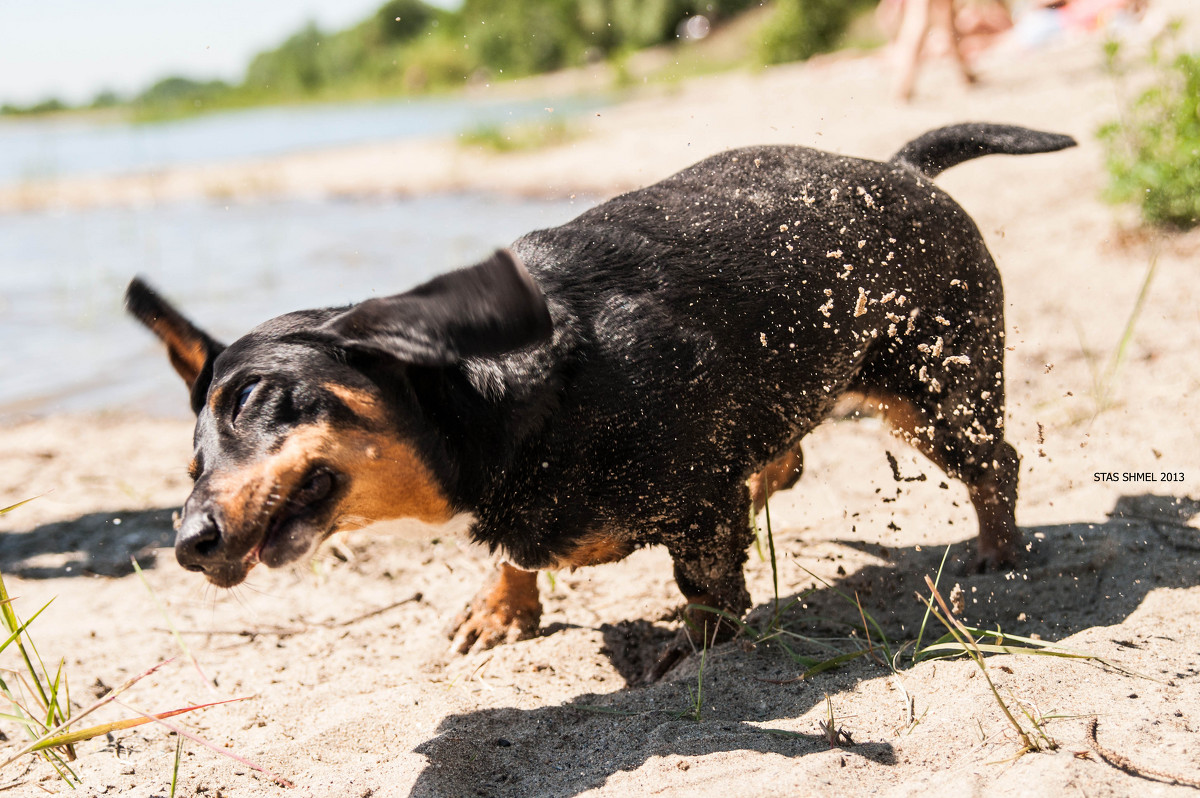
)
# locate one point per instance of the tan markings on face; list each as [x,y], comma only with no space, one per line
[595,548]
[193,469]
[214,399]
[387,479]
[362,403]
[187,353]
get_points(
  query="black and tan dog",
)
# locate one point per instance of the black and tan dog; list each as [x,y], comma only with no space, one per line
[616,382]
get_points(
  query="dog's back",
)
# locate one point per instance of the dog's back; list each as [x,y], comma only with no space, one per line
[756,285]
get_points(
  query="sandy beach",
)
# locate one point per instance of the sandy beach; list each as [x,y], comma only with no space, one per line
[351,689]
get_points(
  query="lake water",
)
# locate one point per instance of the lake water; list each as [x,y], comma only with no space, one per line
[67,345]
[34,149]
[65,341]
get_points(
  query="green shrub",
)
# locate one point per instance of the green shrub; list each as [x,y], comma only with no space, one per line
[401,20]
[1153,152]
[518,37]
[517,137]
[521,37]
[178,95]
[800,29]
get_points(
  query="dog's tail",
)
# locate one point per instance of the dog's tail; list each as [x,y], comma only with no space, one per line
[938,150]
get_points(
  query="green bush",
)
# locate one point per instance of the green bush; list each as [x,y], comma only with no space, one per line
[408,46]
[313,62]
[800,29]
[402,20]
[178,95]
[294,66]
[1153,152]
[521,37]
[48,106]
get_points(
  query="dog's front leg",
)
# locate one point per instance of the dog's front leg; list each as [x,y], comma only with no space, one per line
[507,609]
[709,574]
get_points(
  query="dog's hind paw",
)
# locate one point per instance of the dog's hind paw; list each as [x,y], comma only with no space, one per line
[504,611]
[996,560]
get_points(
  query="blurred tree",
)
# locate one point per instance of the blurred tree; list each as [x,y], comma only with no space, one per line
[402,20]
[294,66]
[179,94]
[800,29]
[105,99]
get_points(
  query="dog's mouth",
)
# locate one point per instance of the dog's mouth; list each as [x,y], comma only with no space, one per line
[295,524]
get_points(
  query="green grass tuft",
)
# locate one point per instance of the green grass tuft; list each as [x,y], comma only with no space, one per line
[519,137]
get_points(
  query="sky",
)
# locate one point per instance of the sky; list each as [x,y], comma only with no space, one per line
[72,49]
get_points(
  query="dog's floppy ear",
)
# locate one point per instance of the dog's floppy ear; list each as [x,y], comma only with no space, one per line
[191,350]
[483,310]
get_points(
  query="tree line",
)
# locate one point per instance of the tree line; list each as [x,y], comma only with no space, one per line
[408,47]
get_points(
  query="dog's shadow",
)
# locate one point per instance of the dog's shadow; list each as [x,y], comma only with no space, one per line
[104,543]
[1077,576]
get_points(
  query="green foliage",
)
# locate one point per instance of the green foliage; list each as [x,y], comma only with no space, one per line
[1153,151]
[36,700]
[402,20]
[47,106]
[409,46]
[521,37]
[518,137]
[298,66]
[800,29]
[105,99]
[178,95]
[406,45]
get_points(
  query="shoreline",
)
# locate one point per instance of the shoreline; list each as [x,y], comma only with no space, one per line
[609,151]
[653,130]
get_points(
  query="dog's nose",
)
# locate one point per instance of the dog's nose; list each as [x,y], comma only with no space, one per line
[198,539]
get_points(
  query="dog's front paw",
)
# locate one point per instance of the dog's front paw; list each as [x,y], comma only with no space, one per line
[504,611]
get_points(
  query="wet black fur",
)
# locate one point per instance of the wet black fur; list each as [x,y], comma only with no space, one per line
[696,328]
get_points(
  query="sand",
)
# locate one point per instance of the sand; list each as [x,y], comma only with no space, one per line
[352,690]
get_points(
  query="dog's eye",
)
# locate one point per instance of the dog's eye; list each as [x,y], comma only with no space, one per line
[243,397]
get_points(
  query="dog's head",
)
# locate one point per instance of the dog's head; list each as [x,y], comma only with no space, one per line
[307,424]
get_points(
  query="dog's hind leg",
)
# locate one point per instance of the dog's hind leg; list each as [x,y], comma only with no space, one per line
[780,474]
[945,395]
[507,609]
[989,472]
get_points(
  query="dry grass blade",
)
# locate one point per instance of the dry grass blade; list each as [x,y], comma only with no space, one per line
[836,736]
[223,752]
[12,507]
[866,628]
[964,638]
[1028,646]
[107,698]
[119,725]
